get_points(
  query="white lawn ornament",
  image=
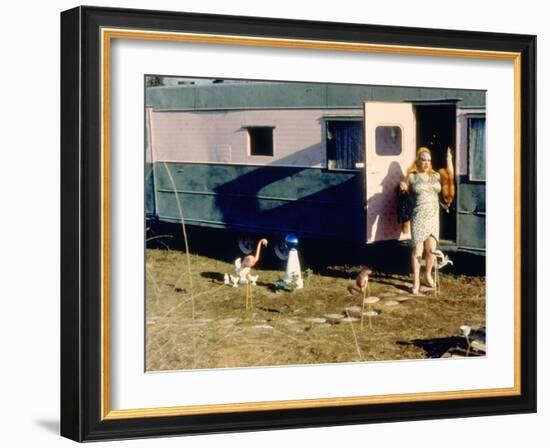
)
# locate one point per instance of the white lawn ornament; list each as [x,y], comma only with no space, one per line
[226,279]
[234,280]
[441,260]
[465,330]
[241,271]
[293,272]
[253,279]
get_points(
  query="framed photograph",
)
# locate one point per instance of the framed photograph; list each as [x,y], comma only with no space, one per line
[276,224]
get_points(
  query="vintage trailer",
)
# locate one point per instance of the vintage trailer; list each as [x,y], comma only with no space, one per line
[318,160]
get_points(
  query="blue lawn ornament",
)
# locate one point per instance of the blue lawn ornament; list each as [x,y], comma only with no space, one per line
[291,241]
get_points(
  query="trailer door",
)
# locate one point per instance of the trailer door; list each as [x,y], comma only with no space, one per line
[390,147]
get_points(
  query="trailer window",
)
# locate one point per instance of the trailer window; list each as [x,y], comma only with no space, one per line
[260,141]
[476,148]
[388,140]
[345,147]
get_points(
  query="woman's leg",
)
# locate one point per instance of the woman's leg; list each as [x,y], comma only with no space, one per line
[430,245]
[416,255]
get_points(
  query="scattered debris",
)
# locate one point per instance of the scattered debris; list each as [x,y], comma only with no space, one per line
[474,343]
[269,310]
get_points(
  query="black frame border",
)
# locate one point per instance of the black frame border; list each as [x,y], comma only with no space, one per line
[81,223]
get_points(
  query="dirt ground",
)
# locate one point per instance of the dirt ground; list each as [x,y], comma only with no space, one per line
[195,321]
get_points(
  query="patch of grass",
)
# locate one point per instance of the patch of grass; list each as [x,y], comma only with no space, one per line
[198,322]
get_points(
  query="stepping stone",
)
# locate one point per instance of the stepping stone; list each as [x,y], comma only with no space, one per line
[371,314]
[316,320]
[298,329]
[292,321]
[354,311]
[349,320]
[391,303]
[263,327]
[333,318]
[404,298]
[387,294]
[371,300]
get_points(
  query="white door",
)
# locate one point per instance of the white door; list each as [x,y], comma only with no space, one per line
[390,148]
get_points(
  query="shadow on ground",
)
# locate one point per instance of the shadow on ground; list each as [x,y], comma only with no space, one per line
[436,348]
[325,257]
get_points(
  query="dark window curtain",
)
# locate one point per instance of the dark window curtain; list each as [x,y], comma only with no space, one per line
[347,143]
[476,149]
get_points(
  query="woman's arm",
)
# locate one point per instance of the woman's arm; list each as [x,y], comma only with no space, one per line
[405,184]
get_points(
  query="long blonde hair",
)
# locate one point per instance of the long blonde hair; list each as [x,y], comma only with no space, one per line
[414,167]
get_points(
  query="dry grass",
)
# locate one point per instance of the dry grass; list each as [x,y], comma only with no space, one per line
[211,327]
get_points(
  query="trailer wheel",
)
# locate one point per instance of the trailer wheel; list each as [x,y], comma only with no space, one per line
[246,244]
[281,250]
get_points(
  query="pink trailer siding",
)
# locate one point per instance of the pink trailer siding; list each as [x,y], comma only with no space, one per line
[222,137]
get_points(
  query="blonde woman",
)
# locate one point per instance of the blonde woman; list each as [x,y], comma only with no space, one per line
[424,186]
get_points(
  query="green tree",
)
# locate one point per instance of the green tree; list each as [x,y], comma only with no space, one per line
[153,81]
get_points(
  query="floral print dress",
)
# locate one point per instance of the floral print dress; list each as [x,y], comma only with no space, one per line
[425,214]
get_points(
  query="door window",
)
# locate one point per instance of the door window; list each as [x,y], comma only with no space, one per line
[388,140]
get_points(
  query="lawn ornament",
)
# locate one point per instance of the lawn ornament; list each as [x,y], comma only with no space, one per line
[441,260]
[361,283]
[370,313]
[243,266]
[253,279]
[234,280]
[293,273]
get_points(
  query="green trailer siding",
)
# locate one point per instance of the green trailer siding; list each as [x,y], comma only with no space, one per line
[471,214]
[312,202]
[272,95]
